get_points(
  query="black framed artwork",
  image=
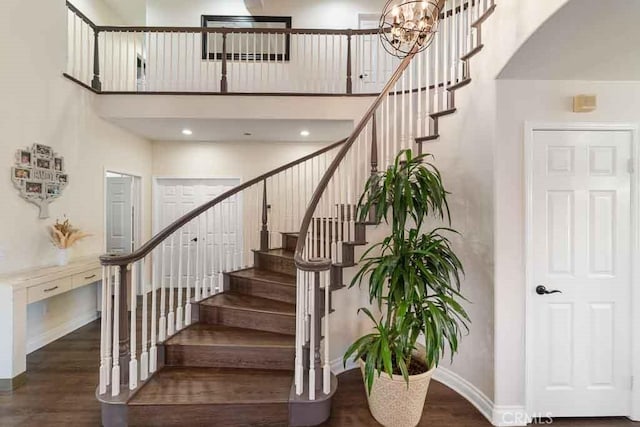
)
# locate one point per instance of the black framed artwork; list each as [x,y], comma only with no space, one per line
[244,46]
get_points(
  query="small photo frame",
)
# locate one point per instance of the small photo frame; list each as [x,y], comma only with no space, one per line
[24,157]
[58,164]
[44,151]
[53,189]
[21,173]
[33,188]
[63,179]
[43,163]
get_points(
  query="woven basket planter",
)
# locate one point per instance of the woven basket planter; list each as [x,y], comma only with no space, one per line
[392,404]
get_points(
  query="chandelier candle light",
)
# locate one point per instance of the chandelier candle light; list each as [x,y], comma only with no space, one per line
[406,25]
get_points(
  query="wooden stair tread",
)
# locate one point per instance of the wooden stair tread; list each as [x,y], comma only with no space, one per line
[250,303]
[202,334]
[278,252]
[174,385]
[265,276]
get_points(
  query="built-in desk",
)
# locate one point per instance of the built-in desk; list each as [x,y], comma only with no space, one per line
[19,289]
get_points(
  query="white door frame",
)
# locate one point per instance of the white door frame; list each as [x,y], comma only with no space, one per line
[530,129]
[137,199]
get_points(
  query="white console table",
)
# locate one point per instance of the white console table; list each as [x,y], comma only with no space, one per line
[19,289]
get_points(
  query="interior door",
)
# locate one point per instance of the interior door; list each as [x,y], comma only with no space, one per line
[211,240]
[119,215]
[375,66]
[580,363]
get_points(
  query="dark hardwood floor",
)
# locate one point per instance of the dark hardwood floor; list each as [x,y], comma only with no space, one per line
[61,381]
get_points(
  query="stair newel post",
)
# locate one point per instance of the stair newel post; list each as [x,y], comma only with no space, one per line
[349,65]
[264,232]
[95,83]
[223,82]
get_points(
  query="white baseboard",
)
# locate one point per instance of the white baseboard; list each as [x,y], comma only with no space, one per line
[509,416]
[467,390]
[60,331]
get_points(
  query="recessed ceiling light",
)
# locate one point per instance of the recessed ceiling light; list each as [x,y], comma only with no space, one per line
[248,134]
[305,133]
[187,132]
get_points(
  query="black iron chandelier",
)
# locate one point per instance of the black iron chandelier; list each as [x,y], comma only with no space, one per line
[408,26]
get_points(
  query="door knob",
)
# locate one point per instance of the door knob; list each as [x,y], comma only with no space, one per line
[542,290]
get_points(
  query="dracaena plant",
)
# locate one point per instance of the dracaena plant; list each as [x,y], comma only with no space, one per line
[415,279]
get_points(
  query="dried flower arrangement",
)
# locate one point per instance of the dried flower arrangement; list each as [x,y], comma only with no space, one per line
[64,235]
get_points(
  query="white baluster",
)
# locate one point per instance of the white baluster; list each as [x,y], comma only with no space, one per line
[299,374]
[104,325]
[326,384]
[205,251]
[180,309]
[221,249]
[312,338]
[187,312]
[144,355]
[115,371]
[162,326]
[171,318]
[153,350]
[133,362]
[198,294]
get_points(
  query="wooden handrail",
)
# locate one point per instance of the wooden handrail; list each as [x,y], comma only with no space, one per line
[325,264]
[123,260]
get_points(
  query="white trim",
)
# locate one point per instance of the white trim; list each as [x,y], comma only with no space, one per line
[467,390]
[530,128]
[60,331]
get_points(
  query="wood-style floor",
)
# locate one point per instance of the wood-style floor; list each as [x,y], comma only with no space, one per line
[61,381]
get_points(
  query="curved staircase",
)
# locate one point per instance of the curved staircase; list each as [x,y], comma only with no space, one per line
[244,337]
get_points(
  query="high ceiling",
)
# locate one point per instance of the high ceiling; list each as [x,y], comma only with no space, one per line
[233,130]
[584,40]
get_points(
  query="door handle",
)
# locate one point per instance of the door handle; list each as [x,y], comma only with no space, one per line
[542,290]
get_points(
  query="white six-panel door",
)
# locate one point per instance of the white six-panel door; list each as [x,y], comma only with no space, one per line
[218,235]
[119,213]
[580,244]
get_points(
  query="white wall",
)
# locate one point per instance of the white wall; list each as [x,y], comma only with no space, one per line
[542,101]
[305,14]
[243,160]
[38,105]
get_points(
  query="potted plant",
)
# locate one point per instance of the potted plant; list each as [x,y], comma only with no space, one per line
[414,282]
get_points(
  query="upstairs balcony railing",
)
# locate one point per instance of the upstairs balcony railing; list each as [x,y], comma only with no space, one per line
[196,60]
